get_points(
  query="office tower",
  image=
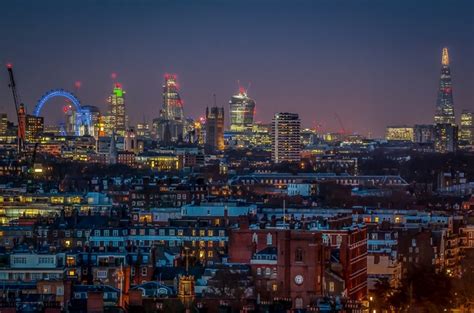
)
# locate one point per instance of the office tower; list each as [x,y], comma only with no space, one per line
[466,130]
[214,129]
[172,103]
[399,133]
[286,137]
[3,124]
[34,127]
[424,133]
[242,109]
[143,130]
[130,141]
[446,137]
[169,126]
[91,114]
[445,106]
[117,119]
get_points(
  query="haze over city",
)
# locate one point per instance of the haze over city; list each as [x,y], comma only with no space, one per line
[374,63]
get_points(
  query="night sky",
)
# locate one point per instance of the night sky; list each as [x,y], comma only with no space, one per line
[374,63]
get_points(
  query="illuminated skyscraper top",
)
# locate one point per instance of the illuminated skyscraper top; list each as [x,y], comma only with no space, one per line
[117,119]
[242,109]
[445,105]
[172,103]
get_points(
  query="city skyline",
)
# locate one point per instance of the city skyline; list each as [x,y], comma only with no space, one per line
[388,82]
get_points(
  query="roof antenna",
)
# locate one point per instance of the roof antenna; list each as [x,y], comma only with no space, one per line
[248,88]
[215,102]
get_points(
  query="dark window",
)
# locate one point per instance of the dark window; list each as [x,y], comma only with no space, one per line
[299,255]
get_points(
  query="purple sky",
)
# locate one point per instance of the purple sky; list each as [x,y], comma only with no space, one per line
[372,62]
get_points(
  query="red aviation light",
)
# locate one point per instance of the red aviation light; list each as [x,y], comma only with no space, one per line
[113,75]
[78,84]
[9,65]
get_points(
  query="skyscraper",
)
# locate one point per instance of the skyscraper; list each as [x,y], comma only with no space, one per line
[214,129]
[3,124]
[466,130]
[242,109]
[116,121]
[446,138]
[171,122]
[444,105]
[172,103]
[286,137]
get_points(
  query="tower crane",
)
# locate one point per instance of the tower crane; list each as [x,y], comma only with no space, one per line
[343,129]
[19,110]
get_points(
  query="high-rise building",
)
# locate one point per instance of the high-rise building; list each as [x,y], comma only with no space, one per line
[117,119]
[172,103]
[169,127]
[242,109]
[446,137]
[424,133]
[214,129]
[286,145]
[444,105]
[3,124]
[399,133]
[34,127]
[466,130]
[143,130]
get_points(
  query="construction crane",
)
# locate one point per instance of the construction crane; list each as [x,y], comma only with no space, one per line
[19,110]
[343,129]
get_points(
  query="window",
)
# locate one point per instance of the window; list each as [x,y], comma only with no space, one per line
[338,240]
[331,286]
[268,271]
[144,271]
[97,232]
[106,233]
[259,271]
[210,233]
[269,239]
[172,232]
[255,238]
[210,254]
[299,255]
[326,240]
[299,303]
[115,233]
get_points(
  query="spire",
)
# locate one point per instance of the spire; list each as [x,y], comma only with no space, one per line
[445,57]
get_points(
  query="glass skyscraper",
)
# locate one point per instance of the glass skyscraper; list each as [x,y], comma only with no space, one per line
[116,117]
[242,109]
[445,106]
[172,104]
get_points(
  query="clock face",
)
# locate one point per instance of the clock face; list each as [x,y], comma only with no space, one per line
[298,279]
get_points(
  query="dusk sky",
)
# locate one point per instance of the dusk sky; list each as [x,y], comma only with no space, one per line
[374,63]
